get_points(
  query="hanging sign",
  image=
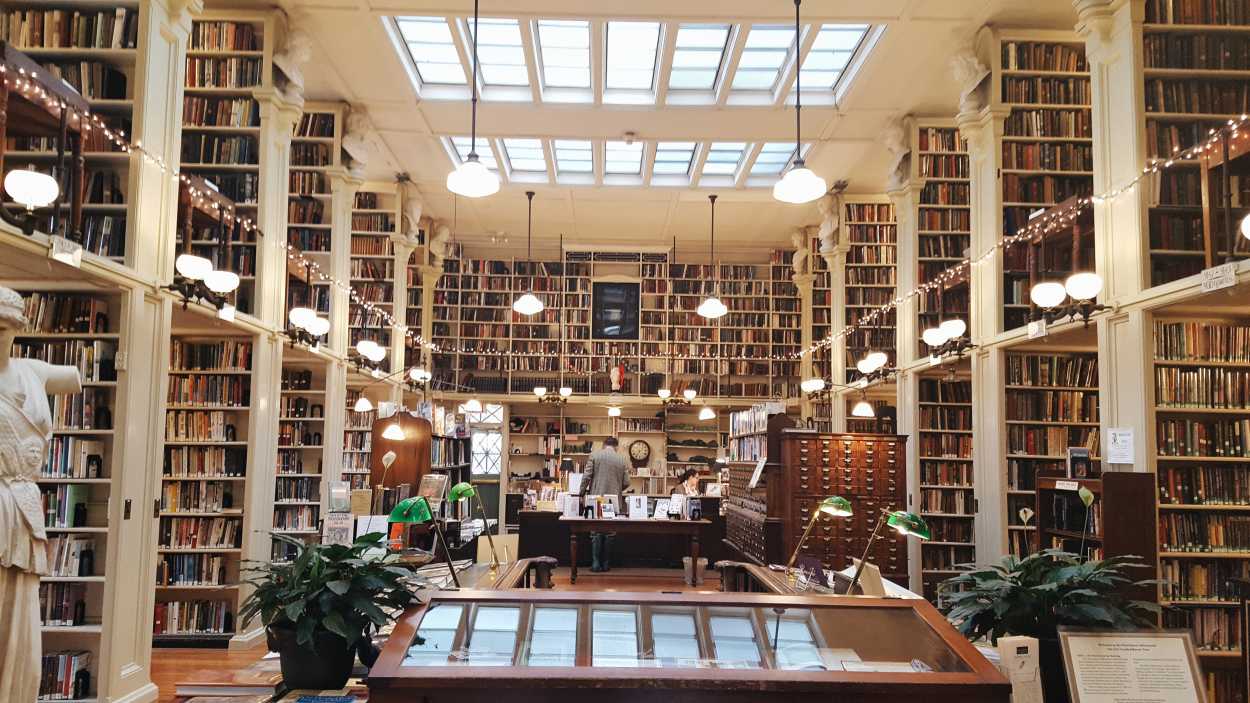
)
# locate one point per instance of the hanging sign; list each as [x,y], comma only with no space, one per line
[1218,277]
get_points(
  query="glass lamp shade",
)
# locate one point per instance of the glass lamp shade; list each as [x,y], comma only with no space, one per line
[192,266]
[614,411]
[707,413]
[393,432]
[863,409]
[473,405]
[909,524]
[472,179]
[1083,285]
[376,353]
[221,281]
[664,393]
[689,394]
[799,185]
[461,490]
[411,510]
[366,348]
[318,326]
[540,391]
[566,391]
[1245,226]
[301,317]
[31,188]
[1048,294]
[836,506]
[363,405]
[712,308]
[934,337]
[226,312]
[863,366]
[812,385]
[953,328]
[528,304]
[877,360]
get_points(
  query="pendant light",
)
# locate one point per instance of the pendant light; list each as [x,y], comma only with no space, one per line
[707,413]
[800,184]
[472,179]
[712,307]
[664,392]
[528,303]
[223,280]
[565,390]
[863,408]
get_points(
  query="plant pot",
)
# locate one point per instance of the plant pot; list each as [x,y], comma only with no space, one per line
[367,651]
[327,664]
[1054,675]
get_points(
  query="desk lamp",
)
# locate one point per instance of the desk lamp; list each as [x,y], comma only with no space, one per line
[464,489]
[903,522]
[833,506]
[416,510]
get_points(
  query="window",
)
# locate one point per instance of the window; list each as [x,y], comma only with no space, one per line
[632,50]
[765,52]
[623,158]
[675,638]
[834,46]
[494,636]
[501,59]
[525,155]
[698,55]
[432,50]
[553,637]
[564,48]
[486,434]
[796,647]
[435,636]
[734,638]
[723,158]
[490,414]
[673,158]
[484,153]
[574,156]
[772,159]
[614,637]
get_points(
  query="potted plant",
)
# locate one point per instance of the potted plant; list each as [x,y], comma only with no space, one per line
[1033,596]
[320,605]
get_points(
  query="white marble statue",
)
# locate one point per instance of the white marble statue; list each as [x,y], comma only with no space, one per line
[359,138]
[296,52]
[970,74]
[25,430]
[894,136]
[828,232]
[411,214]
[440,243]
[802,265]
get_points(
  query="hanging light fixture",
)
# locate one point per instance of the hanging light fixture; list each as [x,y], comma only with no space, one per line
[472,405]
[664,393]
[800,184]
[689,393]
[1245,226]
[863,408]
[707,413]
[528,303]
[1082,287]
[614,411]
[712,307]
[393,432]
[812,385]
[540,391]
[30,188]
[566,391]
[363,405]
[1047,294]
[472,179]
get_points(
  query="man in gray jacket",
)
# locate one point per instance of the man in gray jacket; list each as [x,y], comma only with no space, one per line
[607,473]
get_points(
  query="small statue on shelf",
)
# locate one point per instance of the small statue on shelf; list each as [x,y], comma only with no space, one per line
[296,52]
[801,263]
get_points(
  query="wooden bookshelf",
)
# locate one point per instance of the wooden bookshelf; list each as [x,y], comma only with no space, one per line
[357,442]
[822,325]
[943,223]
[375,219]
[204,480]
[947,501]
[786,324]
[315,153]
[687,437]
[1193,80]
[871,279]
[299,488]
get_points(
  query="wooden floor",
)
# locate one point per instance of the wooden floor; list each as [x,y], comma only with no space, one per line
[169,666]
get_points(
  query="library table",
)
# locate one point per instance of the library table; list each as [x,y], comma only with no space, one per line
[581,525]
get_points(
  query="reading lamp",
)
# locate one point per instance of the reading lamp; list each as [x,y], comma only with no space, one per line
[833,506]
[903,522]
[464,489]
[416,511]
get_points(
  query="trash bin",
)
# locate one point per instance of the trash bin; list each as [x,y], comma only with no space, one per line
[694,576]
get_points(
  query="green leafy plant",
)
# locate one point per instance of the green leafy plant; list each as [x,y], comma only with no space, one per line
[328,587]
[1033,596]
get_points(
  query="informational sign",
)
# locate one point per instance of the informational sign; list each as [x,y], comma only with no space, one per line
[757,473]
[1119,445]
[1037,329]
[337,529]
[1131,667]
[1219,277]
[1067,486]
[638,508]
[67,252]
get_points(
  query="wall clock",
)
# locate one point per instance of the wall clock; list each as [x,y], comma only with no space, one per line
[639,452]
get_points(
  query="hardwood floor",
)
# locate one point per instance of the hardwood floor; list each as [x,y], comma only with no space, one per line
[169,666]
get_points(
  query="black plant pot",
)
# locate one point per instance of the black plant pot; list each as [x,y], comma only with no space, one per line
[1054,675]
[325,665]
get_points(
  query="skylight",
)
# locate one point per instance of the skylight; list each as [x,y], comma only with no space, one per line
[673,158]
[632,50]
[697,59]
[574,156]
[432,50]
[834,46]
[763,55]
[525,155]
[564,48]
[723,158]
[484,153]
[501,58]
[623,158]
[773,158]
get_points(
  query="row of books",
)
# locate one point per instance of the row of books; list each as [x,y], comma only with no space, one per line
[1052,370]
[315,124]
[370,246]
[94,80]
[207,389]
[314,240]
[1076,124]
[373,222]
[204,462]
[1022,473]
[116,28]
[1205,485]
[935,557]
[1219,98]
[1202,532]
[946,473]
[104,235]
[64,675]
[191,570]
[296,517]
[946,529]
[200,111]
[224,36]
[1213,12]
[881,276]
[1212,52]
[1173,231]
[869,296]
[65,505]
[87,410]
[63,604]
[1044,190]
[227,355]
[945,418]
[1050,441]
[71,555]
[1204,438]
[940,139]
[1068,513]
[199,426]
[1052,406]
[1182,387]
[869,212]
[199,148]
[1043,56]
[242,188]
[93,359]
[304,154]
[1195,579]
[200,533]
[945,445]
[307,183]
[1202,341]
[1047,90]
[1213,629]
[234,72]
[198,617]
[1048,156]
[942,166]
[945,220]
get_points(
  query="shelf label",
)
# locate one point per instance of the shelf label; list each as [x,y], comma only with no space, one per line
[1037,329]
[1067,485]
[757,473]
[67,252]
[1119,445]
[1218,277]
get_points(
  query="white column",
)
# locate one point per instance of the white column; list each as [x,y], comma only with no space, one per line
[908,424]
[278,117]
[907,335]
[403,249]
[803,283]
[429,281]
[343,189]
[984,131]
[989,451]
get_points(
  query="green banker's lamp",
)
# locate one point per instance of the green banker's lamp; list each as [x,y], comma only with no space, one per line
[904,523]
[464,489]
[416,511]
[833,506]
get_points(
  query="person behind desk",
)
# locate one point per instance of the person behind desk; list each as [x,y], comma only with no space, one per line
[688,484]
[607,474]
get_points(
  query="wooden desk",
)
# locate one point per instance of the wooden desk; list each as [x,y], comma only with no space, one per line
[581,525]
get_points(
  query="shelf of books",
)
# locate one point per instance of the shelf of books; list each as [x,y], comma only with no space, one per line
[822,325]
[1194,79]
[1052,416]
[871,263]
[93,47]
[1047,150]
[414,290]
[80,330]
[692,443]
[943,224]
[947,500]
[445,325]
[786,325]
[298,487]
[884,419]
[314,152]
[357,442]
[227,59]
[375,217]
[203,486]
[1202,430]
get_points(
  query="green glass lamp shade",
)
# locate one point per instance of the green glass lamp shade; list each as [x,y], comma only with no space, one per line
[906,523]
[836,506]
[464,489]
[413,509]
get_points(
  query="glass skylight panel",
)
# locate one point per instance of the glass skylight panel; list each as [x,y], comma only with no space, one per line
[832,50]
[763,55]
[525,154]
[564,47]
[484,153]
[432,49]
[723,158]
[501,58]
[673,158]
[697,58]
[623,158]
[772,159]
[632,51]
[574,156]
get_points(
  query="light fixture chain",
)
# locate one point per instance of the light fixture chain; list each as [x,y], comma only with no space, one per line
[473,88]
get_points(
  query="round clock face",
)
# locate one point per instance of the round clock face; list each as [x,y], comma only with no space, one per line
[639,450]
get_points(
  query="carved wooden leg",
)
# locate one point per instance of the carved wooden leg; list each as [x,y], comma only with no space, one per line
[572,556]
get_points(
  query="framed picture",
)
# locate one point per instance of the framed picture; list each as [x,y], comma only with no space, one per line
[615,310]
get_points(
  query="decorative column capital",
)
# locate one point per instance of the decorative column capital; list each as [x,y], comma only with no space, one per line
[279,109]
[982,129]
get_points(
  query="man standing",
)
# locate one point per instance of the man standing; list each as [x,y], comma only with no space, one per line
[607,473]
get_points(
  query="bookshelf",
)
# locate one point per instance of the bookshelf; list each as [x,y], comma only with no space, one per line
[94,47]
[315,153]
[871,263]
[947,501]
[298,476]
[357,442]
[1202,412]
[375,219]
[943,223]
[1051,405]
[687,438]
[1193,79]
[822,325]
[78,329]
[204,478]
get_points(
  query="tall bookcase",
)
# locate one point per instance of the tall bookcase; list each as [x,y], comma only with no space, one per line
[786,324]
[822,326]
[94,47]
[871,269]
[1052,405]
[357,442]
[375,219]
[315,151]
[1202,418]
[76,482]
[943,224]
[298,481]
[945,483]
[202,530]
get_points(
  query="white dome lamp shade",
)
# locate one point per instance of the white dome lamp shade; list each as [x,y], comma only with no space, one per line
[472,405]
[953,328]
[528,303]
[614,411]
[222,281]
[393,432]
[363,405]
[301,317]
[193,267]
[712,307]
[876,360]
[707,413]
[799,185]
[863,409]
[1245,226]
[540,391]
[812,385]
[378,353]
[471,178]
[689,394]
[318,326]
[1047,294]
[566,391]
[30,188]
[934,337]
[1083,285]
[664,393]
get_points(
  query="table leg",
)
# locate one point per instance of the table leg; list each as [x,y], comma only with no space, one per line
[694,556]
[572,556]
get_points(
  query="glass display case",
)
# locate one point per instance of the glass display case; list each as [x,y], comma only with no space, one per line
[468,646]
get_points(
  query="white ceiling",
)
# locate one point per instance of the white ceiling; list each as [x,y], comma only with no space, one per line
[907,72]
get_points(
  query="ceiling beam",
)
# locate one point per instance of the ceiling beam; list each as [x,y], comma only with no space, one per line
[664,63]
[598,65]
[740,179]
[791,69]
[529,47]
[700,158]
[731,62]
[648,161]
